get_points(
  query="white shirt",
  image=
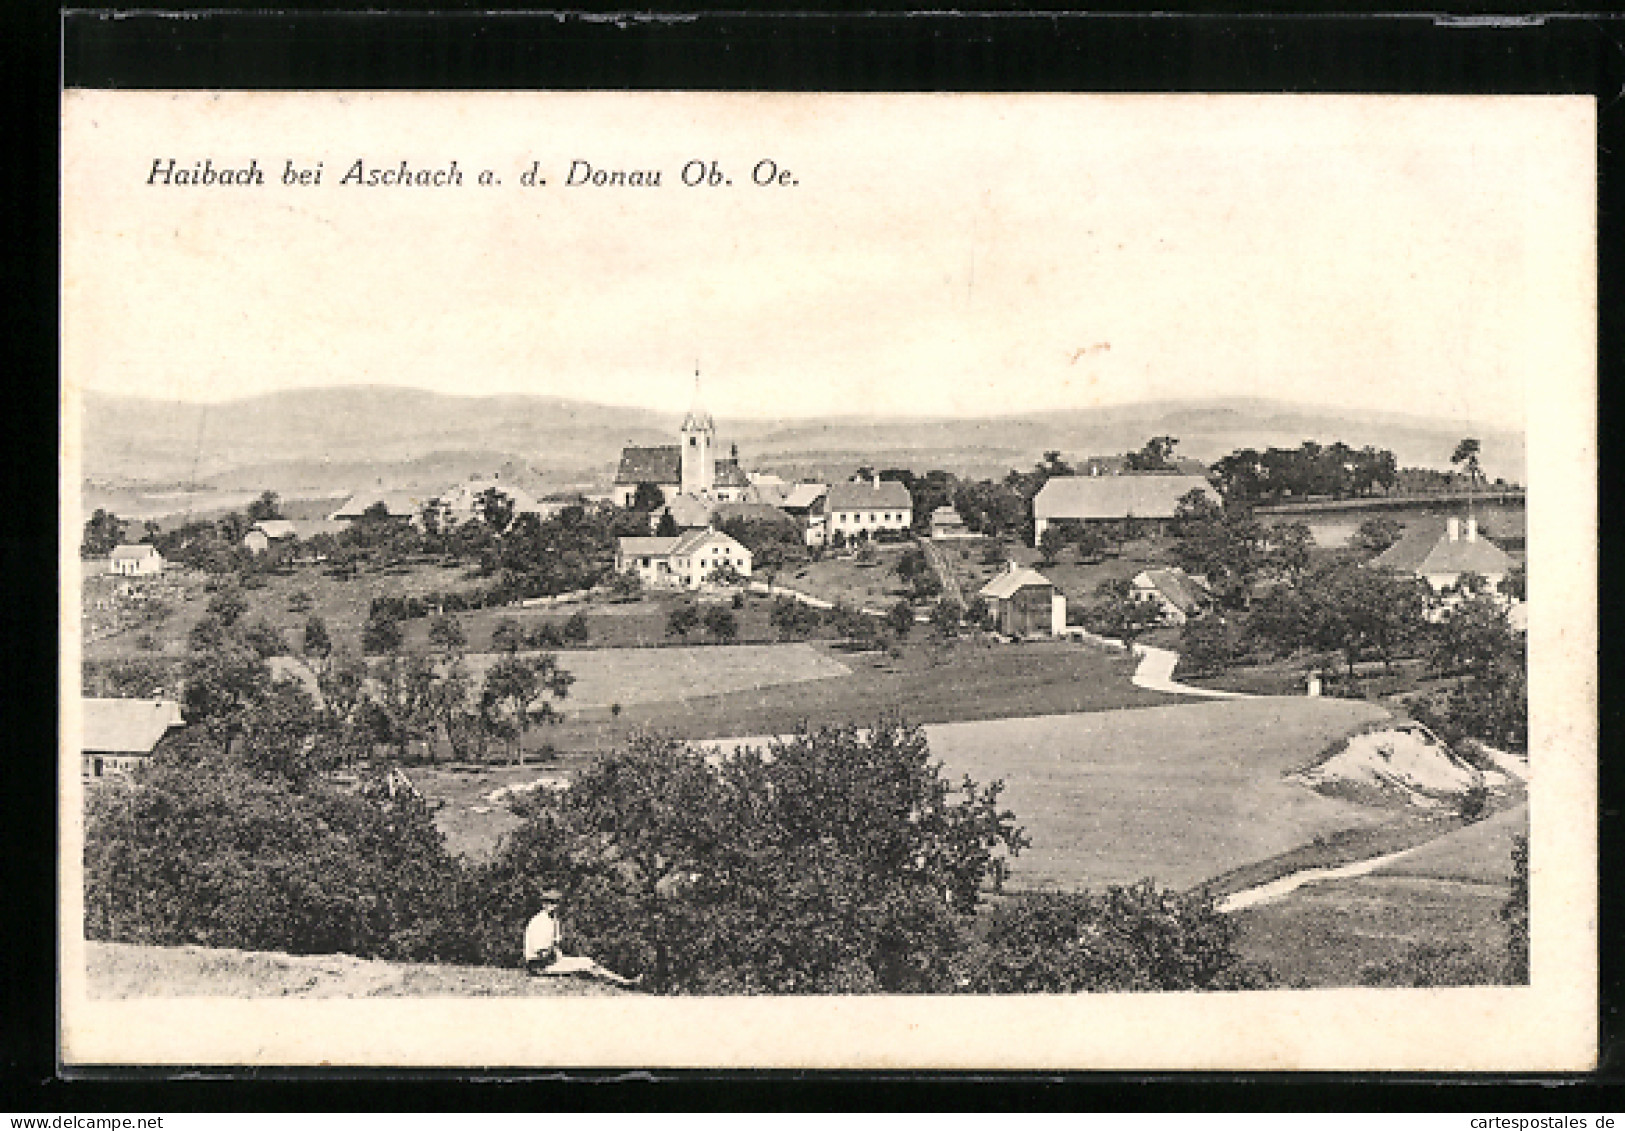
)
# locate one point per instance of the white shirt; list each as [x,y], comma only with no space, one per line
[541,934]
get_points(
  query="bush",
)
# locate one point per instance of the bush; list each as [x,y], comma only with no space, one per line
[575,628]
[1128,938]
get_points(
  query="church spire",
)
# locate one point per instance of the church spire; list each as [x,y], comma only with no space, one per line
[698,420]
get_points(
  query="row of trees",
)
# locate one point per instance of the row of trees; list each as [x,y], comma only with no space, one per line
[842,862]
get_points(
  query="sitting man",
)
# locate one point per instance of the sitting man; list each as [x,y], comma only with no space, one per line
[542,935]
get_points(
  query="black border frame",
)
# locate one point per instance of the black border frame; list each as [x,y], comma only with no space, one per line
[462,48]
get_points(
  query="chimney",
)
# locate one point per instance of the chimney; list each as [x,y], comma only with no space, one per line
[1453,525]
[1472,529]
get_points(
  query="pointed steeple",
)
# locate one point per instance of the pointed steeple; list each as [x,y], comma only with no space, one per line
[698,420]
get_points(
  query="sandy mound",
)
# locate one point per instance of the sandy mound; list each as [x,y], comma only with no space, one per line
[1399,762]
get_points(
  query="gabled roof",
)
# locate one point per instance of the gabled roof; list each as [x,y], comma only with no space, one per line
[689,511]
[662,464]
[729,474]
[646,547]
[1426,549]
[945,514]
[127,726]
[1005,586]
[1182,590]
[753,512]
[804,495]
[134,553]
[692,540]
[868,495]
[400,504]
[276,528]
[1148,495]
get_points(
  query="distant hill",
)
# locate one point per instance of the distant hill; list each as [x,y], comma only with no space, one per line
[325,441]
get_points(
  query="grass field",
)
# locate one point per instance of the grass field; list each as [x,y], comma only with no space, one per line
[838,579]
[1446,894]
[671,675]
[1178,794]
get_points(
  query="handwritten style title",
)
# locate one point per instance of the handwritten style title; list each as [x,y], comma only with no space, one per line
[698,173]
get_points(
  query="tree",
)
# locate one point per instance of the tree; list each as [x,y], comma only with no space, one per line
[1121,613]
[721,623]
[227,606]
[518,690]
[900,619]
[725,574]
[1516,583]
[134,677]
[667,526]
[222,685]
[1289,546]
[625,585]
[1050,544]
[449,703]
[507,636]
[1515,914]
[1377,533]
[683,619]
[1466,457]
[1090,542]
[1347,608]
[446,633]
[382,633]
[911,564]
[103,531]
[1157,455]
[397,709]
[265,508]
[576,630]
[1137,937]
[317,645]
[1205,645]
[282,734]
[648,498]
[976,611]
[791,619]
[945,618]
[262,638]
[495,508]
[839,861]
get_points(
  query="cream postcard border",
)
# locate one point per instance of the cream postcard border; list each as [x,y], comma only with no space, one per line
[1550,1025]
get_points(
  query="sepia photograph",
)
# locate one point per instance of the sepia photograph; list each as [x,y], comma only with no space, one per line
[1007,581]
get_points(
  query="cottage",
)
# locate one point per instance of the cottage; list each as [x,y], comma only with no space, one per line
[121,734]
[804,502]
[399,506]
[266,533]
[1149,496]
[1441,556]
[142,560]
[686,561]
[1179,595]
[1023,602]
[946,523]
[466,501]
[867,507]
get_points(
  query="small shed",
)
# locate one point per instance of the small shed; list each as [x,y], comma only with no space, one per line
[264,534]
[946,523]
[141,560]
[1023,602]
[1179,595]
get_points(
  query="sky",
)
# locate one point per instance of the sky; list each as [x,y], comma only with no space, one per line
[940,255]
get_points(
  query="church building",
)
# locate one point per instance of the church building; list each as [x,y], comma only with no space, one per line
[689,467]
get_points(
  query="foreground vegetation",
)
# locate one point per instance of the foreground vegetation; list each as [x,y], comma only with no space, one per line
[842,862]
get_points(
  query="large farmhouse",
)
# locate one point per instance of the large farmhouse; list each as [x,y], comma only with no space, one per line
[867,507]
[1146,496]
[121,734]
[686,561]
[688,467]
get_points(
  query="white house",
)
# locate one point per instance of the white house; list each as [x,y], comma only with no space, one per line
[686,561]
[946,523]
[867,506]
[142,560]
[264,534]
[120,734]
[1441,556]
[1177,593]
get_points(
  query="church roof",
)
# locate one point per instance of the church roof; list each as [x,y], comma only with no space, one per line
[730,474]
[662,464]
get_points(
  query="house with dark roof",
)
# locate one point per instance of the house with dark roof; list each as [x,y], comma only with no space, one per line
[1440,555]
[1144,496]
[867,507]
[1179,595]
[687,561]
[1023,602]
[399,506]
[141,560]
[120,734]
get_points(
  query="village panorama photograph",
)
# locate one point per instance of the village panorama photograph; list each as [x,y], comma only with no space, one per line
[1086,571]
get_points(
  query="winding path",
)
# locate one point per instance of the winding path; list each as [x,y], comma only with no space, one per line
[1156,673]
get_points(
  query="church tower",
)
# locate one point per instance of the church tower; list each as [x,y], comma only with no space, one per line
[698,437]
